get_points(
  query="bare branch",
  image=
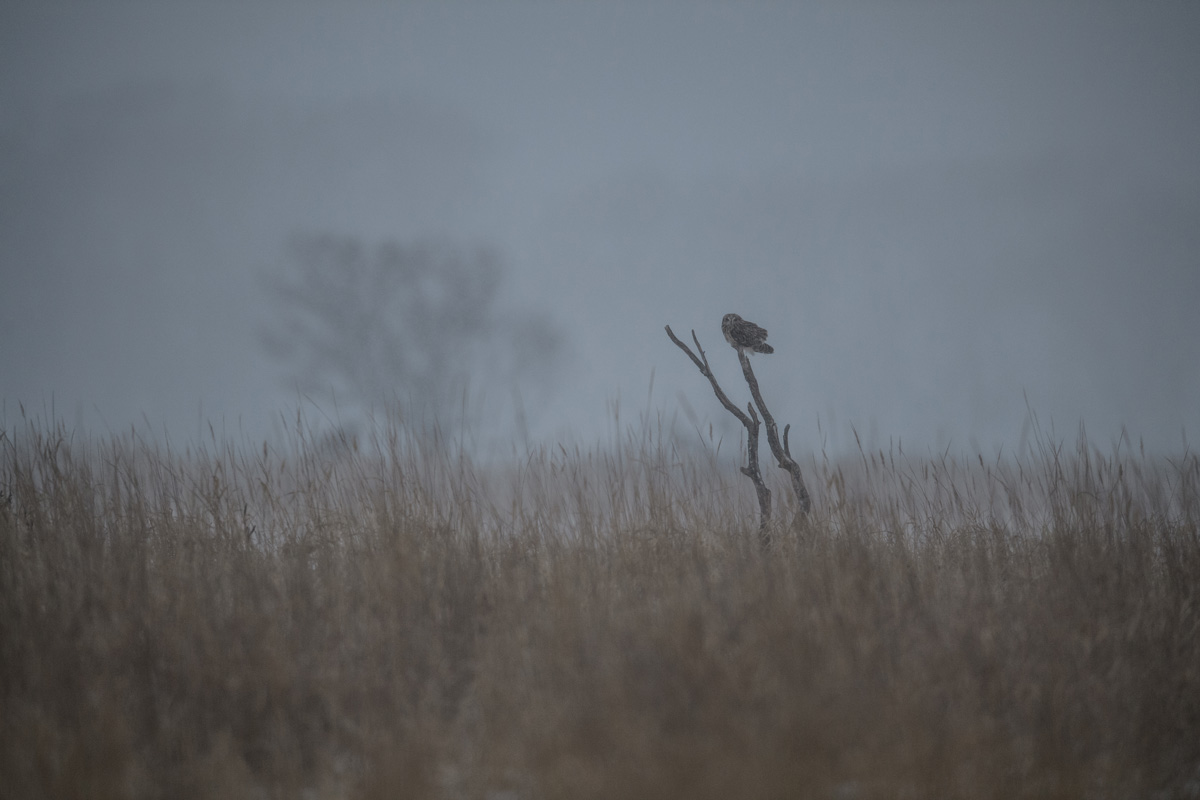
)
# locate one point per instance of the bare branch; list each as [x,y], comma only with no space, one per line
[782,456]
[702,364]
[751,423]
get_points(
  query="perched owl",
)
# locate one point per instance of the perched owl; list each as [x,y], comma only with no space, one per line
[745,335]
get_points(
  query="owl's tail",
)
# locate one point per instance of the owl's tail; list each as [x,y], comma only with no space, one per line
[763,348]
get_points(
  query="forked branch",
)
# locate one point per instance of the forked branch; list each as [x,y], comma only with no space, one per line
[751,423]
[782,453]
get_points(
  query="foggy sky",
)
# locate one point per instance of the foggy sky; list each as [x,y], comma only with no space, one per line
[938,210]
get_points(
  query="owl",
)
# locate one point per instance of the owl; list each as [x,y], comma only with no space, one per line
[745,335]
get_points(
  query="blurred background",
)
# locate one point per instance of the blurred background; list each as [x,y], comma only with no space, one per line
[946,214]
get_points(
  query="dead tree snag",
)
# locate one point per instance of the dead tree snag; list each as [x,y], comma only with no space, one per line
[751,422]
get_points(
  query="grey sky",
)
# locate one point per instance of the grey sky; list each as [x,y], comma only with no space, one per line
[936,209]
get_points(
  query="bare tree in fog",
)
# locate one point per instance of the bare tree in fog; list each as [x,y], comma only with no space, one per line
[418,323]
[743,336]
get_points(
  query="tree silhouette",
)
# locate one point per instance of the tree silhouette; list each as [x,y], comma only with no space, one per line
[415,323]
[781,450]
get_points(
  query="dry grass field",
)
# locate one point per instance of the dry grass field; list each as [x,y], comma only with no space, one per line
[391,620]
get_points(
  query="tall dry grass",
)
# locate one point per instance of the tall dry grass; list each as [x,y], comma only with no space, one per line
[389,619]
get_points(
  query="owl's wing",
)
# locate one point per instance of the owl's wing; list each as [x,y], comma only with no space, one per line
[754,333]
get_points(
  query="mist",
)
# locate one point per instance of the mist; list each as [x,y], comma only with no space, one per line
[947,216]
